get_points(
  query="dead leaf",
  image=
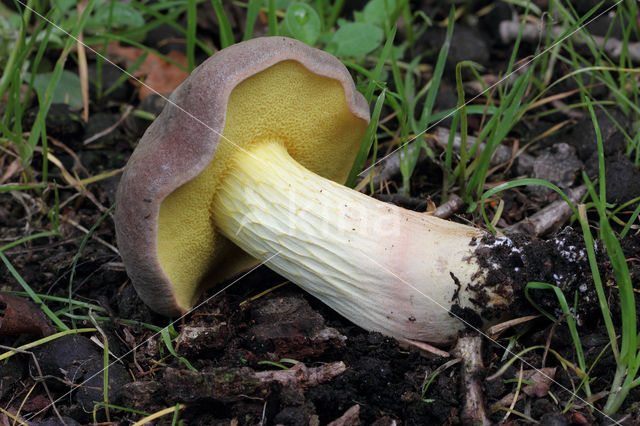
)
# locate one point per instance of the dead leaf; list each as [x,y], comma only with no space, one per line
[542,379]
[158,75]
[20,316]
[14,167]
[36,403]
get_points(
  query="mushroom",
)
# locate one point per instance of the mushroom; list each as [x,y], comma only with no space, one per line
[245,165]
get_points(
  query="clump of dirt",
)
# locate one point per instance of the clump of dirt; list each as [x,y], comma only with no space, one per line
[510,263]
[62,122]
[558,165]
[622,176]
[75,359]
[384,379]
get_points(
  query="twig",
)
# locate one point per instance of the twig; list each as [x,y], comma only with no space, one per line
[497,329]
[76,160]
[109,129]
[233,384]
[549,218]
[83,69]
[390,167]
[302,375]
[509,30]
[351,417]
[502,153]
[448,209]
[427,348]
[469,348]
[86,231]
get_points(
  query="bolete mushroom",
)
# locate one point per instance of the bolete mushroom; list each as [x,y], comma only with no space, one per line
[245,165]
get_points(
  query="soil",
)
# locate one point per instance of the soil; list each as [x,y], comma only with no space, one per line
[244,358]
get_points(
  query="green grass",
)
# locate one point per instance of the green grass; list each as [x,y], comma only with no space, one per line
[402,93]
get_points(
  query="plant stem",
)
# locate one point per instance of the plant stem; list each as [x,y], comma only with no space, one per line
[618,393]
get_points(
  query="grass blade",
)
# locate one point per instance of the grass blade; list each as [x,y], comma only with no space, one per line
[192,21]
[369,136]
[273,20]
[253,9]
[226,34]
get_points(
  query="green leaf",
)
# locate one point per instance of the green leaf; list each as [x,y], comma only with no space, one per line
[124,16]
[375,12]
[357,17]
[64,5]
[67,91]
[282,4]
[166,338]
[356,39]
[303,23]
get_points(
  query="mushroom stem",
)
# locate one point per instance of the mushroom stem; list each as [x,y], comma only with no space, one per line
[385,268]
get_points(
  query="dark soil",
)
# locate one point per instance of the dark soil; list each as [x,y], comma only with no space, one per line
[232,344]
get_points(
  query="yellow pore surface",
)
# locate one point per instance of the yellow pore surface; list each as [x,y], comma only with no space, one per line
[286,103]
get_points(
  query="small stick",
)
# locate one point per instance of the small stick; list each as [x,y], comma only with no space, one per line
[83,69]
[549,218]
[509,30]
[499,328]
[469,348]
[351,417]
[109,129]
[448,209]
[95,237]
[234,384]
[427,348]
[302,375]
[502,153]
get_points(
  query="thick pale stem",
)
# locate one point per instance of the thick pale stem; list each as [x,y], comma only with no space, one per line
[385,268]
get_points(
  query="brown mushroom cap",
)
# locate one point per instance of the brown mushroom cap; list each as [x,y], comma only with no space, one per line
[271,88]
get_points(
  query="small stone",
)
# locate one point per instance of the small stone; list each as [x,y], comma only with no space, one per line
[76,359]
[55,421]
[559,165]
[553,419]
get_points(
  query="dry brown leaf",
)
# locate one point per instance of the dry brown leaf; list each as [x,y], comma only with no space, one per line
[158,75]
[543,378]
[13,168]
[21,316]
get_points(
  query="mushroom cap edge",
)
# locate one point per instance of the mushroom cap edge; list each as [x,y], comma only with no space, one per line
[195,116]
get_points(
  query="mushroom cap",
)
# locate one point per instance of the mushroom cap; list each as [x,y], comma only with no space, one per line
[266,88]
